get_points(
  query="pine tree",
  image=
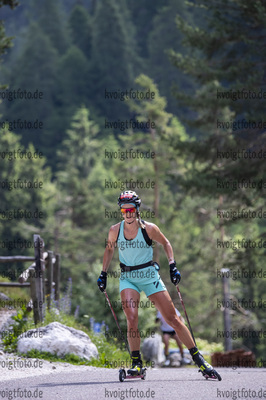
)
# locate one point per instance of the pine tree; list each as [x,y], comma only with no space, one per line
[78,150]
[225,57]
[134,54]
[78,164]
[111,55]
[164,36]
[72,93]
[36,70]
[142,16]
[81,29]
[23,210]
[81,223]
[52,22]
[234,38]
[218,120]
[5,42]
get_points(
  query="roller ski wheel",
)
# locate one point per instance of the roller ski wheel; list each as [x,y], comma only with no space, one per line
[123,375]
[143,376]
[213,375]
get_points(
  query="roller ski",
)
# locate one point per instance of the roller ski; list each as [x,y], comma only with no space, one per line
[136,371]
[123,375]
[205,368]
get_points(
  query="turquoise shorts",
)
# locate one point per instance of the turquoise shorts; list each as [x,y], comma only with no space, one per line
[147,279]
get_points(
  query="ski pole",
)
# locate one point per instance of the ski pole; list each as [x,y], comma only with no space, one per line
[121,333]
[183,305]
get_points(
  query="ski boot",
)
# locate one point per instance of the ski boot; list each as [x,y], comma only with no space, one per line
[136,368]
[205,368]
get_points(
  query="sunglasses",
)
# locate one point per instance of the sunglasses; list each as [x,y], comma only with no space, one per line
[126,210]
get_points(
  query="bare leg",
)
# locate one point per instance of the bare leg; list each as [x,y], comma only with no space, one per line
[164,304]
[166,338]
[179,344]
[130,303]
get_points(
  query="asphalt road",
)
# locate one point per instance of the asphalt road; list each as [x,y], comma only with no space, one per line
[160,384]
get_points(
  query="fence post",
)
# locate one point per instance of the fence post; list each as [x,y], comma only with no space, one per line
[50,268]
[35,274]
[57,278]
[33,290]
[38,282]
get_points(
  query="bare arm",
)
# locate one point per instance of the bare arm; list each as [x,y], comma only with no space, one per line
[109,249]
[156,235]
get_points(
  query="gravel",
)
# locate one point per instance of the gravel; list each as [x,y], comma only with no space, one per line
[15,367]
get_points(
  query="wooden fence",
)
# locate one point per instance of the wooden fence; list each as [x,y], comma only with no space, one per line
[41,276]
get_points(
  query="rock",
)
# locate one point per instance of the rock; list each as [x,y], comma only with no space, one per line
[3,297]
[6,321]
[153,349]
[58,339]
[175,360]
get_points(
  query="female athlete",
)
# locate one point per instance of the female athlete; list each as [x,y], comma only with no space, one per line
[134,239]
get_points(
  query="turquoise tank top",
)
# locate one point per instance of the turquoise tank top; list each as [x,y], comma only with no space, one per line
[133,252]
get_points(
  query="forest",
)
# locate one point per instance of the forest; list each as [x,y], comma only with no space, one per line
[164,97]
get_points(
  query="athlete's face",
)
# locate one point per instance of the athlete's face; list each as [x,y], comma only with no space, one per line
[129,212]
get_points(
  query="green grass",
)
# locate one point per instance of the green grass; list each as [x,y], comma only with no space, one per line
[109,353]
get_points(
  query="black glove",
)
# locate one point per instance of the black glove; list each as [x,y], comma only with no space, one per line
[102,281]
[174,274]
